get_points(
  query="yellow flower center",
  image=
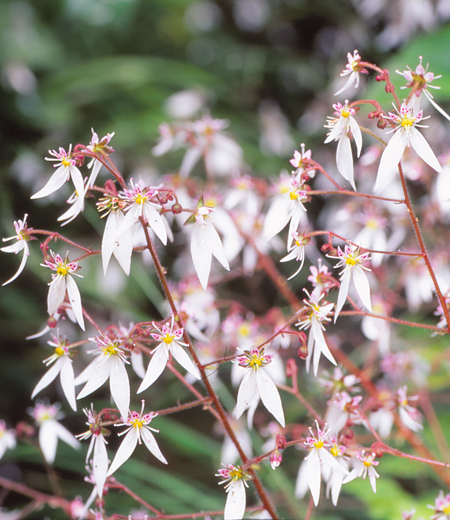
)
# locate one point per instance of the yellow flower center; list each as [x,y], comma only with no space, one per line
[255,362]
[367,463]
[62,270]
[372,224]
[407,122]
[318,444]
[351,260]
[66,162]
[167,339]
[110,350]
[236,474]
[141,199]
[335,451]
[244,329]
[345,113]
[293,195]
[59,351]
[137,423]
[446,510]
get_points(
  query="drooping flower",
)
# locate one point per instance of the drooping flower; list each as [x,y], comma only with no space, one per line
[170,342]
[101,147]
[351,260]
[138,430]
[420,80]
[63,282]
[63,367]
[313,321]
[235,483]
[405,134]
[205,243]
[342,129]
[109,363]
[353,69]
[22,236]
[320,460]
[297,252]
[97,448]
[47,416]
[257,384]
[66,168]
[365,467]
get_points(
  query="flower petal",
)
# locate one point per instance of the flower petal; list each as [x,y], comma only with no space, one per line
[269,395]
[155,367]
[392,155]
[201,254]
[185,361]
[75,300]
[423,150]
[216,246]
[125,450]
[247,390]
[120,386]
[56,294]
[48,377]
[100,463]
[48,440]
[343,291]
[362,287]
[59,177]
[344,159]
[235,504]
[150,442]
[16,249]
[314,467]
[97,378]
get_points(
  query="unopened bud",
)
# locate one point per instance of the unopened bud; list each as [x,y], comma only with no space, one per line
[302,352]
[177,209]
[280,442]
[52,322]
[275,459]
[381,123]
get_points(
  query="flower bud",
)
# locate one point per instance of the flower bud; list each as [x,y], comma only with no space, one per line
[302,352]
[275,459]
[280,442]
[177,209]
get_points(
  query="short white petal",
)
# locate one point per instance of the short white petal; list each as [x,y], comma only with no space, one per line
[201,254]
[150,442]
[75,300]
[56,294]
[362,287]
[269,395]
[185,361]
[120,386]
[48,377]
[423,150]
[246,392]
[235,504]
[155,367]
[392,155]
[125,450]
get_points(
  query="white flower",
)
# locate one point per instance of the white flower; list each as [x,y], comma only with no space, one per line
[169,343]
[313,321]
[320,460]
[235,479]
[7,439]
[46,416]
[351,259]
[97,447]
[365,467]
[340,130]
[109,363]
[406,134]
[353,69]
[63,282]
[138,431]
[408,414]
[63,367]
[257,384]
[297,252]
[66,168]
[100,147]
[205,243]
[21,245]
[441,507]
[286,207]
[76,207]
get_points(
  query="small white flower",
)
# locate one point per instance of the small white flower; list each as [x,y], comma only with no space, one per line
[257,384]
[169,343]
[353,69]
[46,416]
[406,134]
[63,282]
[138,431]
[313,321]
[297,252]
[351,259]
[235,479]
[109,363]
[101,147]
[441,507]
[66,168]
[409,415]
[341,129]
[63,367]
[21,245]
[365,467]
[205,243]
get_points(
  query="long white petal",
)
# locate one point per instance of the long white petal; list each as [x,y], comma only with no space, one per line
[88,371]
[216,246]
[246,392]
[423,150]
[392,155]
[100,463]
[344,159]
[75,300]
[56,294]
[77,179]
[155,367]
[120,386]
[123,251]
[26,253]
[150,442]
[314,475]
[343,291]
[357,136]
[156,222]
[269,395]
[67,379]
[185,361]
[48,440]
[362,287]
[235,504]
[97,379]
[125,450]
[277,217]
[59,177]
[201,254]
[66,436]
[109,237]
[48,377]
